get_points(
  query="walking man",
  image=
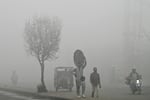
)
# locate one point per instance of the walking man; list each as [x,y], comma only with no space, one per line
[80,63]
[95,82]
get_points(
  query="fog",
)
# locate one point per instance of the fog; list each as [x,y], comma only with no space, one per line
[101,28]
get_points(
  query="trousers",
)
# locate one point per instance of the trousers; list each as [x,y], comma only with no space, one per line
[80,85]
[94,89]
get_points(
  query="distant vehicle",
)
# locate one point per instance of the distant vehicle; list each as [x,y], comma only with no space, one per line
[135,87]
[63,78]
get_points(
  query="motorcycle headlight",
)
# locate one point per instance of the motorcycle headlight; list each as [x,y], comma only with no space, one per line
[137,81]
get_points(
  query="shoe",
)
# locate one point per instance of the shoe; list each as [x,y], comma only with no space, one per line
[83,96]
[78,96]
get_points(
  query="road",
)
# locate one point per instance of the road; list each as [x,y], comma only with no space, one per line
[13,96]
[123,94]
[104,94]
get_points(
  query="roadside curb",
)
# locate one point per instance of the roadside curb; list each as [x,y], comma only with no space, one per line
[32,94]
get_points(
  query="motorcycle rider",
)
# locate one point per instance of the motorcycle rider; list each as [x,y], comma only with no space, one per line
[132,79]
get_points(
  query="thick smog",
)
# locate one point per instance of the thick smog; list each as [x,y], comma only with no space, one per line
[74,49]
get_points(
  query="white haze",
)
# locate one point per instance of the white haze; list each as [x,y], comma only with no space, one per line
[95,26]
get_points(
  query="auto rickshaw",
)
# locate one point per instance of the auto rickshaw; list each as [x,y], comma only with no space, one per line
[63,78]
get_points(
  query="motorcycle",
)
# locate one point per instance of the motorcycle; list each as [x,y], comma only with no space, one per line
[136,87]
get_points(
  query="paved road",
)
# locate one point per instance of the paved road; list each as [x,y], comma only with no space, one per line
[105,94]
[122,94]
[13,96]
[113,93]
[126,95]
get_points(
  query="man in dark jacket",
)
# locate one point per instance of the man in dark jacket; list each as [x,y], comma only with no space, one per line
[95,81]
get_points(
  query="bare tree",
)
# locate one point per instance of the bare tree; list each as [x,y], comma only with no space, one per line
[42,36]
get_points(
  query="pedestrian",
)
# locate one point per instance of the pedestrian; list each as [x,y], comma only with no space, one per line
[80,63]
[14,78]
[95,82]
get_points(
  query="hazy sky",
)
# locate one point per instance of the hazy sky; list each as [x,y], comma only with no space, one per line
[95,26]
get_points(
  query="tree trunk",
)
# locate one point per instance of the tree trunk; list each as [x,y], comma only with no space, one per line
[42,77]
